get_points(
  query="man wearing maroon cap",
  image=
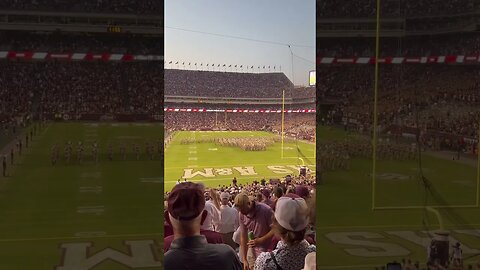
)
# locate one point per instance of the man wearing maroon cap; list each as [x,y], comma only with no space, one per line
[189,249]
[266,197]
[302,191]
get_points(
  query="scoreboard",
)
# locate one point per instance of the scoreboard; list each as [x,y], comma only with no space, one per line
[114,29]
[312,78]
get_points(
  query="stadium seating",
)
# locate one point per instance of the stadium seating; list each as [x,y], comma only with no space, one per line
[91,6]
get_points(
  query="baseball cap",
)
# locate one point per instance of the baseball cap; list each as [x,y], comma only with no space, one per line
[292,213]
[186,201]
[225,195]
[302,191]
[265,192]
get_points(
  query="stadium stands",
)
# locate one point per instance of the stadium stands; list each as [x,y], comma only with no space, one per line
[225,84]
[98,6]
[393,8]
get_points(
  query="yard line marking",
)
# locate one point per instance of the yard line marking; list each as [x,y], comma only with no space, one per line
[89,234]
[94,175]
[77,237]
[229,178]
[192,158]
[94,189]
[387,226]
[151,178]
[97,210]
[236,165]
[152,181]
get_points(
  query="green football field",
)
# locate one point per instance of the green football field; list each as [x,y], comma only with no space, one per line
[217,165]
[351,235]
[104,216]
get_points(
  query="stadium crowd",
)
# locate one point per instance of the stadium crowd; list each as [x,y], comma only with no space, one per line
[221,84]
[441,101]
[410,46]
[151,7]
[246,226]
[79,88]
[299,125]
[393,8]
[61,42]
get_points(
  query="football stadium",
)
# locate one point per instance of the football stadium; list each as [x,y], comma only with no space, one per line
[81,89]
[398,135]
[238,132]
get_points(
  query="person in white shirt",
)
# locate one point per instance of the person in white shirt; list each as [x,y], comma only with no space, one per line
[457,255]
[212,206]
[228,220]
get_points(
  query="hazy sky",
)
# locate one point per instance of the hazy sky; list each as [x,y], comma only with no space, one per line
[282,21]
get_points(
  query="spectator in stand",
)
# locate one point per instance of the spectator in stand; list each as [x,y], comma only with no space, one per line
[302,192]
[256,218]
[290,224]
[266,197]
[277,193]
[151,7]
[229,220]
[212,207]
[190,249]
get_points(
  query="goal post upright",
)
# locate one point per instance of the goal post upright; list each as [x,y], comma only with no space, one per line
[375,106]
[478,167]
[283,119]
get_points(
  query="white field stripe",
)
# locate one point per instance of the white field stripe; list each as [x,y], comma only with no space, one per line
[236,165]
[77,237]
[152,181]
[97,210]
[151,178]
[89,234]
[370,266]
[387,227]
[95,189]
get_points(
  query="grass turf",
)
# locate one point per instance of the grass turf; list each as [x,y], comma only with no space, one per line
[344,210]
[43,206]
[197,157]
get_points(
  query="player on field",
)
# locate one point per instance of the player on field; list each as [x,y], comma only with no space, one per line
[123,151]
[159,148]
[137,150]
[67,152]
[54,154]
[80,152]
[457,255]
[152,151]
[11,155]
[19,147]
[4,166]
[110,151]
[95,151]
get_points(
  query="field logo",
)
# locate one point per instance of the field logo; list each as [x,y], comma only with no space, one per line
[211,172]
[372,244]
[392,176]
[76,256]
[244,171]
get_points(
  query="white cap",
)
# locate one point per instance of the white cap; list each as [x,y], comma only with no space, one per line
[225,195]
[292,213]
